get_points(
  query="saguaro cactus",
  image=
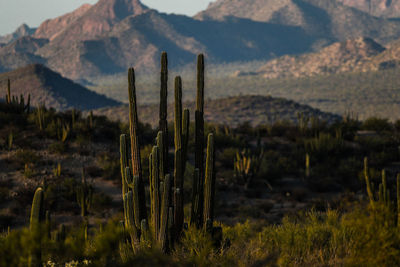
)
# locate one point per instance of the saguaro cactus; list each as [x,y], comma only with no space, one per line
[135,149]
[178,164]
[163,123]
[199,138]
[165,224]
[37,210]
[37,217]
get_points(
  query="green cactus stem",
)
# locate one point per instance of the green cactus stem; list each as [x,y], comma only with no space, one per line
[84,195]
[163,233]
[163,123]
[178,166]
[199,135]
[123,149]
[135,149]
[209,184]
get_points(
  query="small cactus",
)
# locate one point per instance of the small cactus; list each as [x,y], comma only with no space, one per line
[84,195]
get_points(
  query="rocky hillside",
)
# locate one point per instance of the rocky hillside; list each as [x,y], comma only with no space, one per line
[50,88]
[232,111]
[21,31]
[378,8]
[339,57]
[327,19]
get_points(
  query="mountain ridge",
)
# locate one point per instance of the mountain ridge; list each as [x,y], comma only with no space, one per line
[50,88]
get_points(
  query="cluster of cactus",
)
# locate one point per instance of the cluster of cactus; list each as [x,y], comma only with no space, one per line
[40,116]
[383,196]
[17,104]
[247,165]
[84,194]
[303,122]
[165,223]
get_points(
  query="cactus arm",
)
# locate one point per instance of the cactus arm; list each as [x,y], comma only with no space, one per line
[123,162]
[185,138]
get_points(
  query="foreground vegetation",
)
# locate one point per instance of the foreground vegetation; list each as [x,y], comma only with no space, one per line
[286,194]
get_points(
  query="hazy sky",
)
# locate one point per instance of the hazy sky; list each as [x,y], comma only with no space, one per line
[32,12]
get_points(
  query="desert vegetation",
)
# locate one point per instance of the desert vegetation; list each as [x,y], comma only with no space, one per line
[81,190]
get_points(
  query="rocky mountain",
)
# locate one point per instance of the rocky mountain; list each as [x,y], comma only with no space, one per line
[50,88]
[21,31]
[348,56]
[232,111]
[378,8]
[330,20]
[112,35]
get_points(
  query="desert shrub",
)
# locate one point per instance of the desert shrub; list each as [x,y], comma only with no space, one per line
[110,166]
[24,156]
[57,147]
[377,124]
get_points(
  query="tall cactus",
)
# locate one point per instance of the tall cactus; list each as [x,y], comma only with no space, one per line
[163,123]
[199,136]
[135,149]
[178,163]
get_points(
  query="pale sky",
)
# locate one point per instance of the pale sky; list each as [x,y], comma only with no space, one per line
[32,12]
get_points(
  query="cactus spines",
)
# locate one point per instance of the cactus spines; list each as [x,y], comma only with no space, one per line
[199,135]
[163,233]
[163,123]
[123,161]
[37,209]
[209,184]
[135,150]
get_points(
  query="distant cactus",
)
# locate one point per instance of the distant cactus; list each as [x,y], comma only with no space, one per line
[15,104]
[84,195]
[247,165]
